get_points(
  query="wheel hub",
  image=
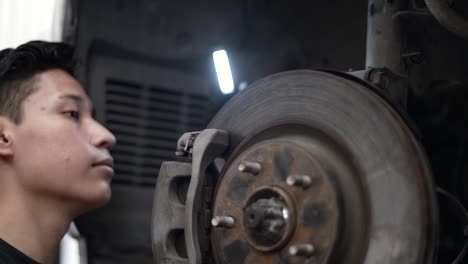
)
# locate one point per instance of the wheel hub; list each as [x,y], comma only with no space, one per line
[282,208]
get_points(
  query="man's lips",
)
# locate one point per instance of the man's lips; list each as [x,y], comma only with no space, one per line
[107,165]
[105,162]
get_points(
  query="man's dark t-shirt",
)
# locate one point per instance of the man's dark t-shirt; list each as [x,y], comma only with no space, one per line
[10,255]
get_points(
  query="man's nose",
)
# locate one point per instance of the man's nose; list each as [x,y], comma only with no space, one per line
[102,138]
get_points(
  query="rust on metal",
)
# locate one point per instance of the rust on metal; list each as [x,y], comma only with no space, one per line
[274,216]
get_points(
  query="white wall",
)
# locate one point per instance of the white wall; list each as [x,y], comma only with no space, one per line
[25,20]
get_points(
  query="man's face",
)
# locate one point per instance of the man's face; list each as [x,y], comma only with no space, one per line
[59,150]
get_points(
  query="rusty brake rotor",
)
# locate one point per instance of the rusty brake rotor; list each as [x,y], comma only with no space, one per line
[320,169]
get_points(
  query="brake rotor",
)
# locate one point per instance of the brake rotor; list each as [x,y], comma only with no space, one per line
[320,169]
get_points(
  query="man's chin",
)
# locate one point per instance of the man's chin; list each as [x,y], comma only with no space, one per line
[95,202]
[104,199]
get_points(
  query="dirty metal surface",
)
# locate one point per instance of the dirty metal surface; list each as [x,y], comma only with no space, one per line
[208,144]
[270,215]
[384,190]
[178,199]
[168,214]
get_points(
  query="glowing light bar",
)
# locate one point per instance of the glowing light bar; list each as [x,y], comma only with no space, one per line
[223,71]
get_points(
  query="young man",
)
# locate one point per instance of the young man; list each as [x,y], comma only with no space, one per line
[54,157]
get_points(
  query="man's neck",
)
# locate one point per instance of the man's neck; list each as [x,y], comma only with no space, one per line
[33,225]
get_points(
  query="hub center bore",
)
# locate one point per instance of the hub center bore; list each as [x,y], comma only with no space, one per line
[267,218]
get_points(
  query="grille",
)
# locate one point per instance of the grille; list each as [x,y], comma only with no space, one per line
[147,122]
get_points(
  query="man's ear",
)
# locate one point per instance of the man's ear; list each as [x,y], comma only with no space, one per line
[6,144]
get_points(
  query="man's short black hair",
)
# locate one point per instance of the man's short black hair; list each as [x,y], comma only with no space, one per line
[18,68]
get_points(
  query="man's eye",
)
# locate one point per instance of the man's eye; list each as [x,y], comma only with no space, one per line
[73,114]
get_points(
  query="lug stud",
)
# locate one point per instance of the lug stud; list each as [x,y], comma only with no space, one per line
[222,221]
[304,250]
[250,167]
[303,181]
